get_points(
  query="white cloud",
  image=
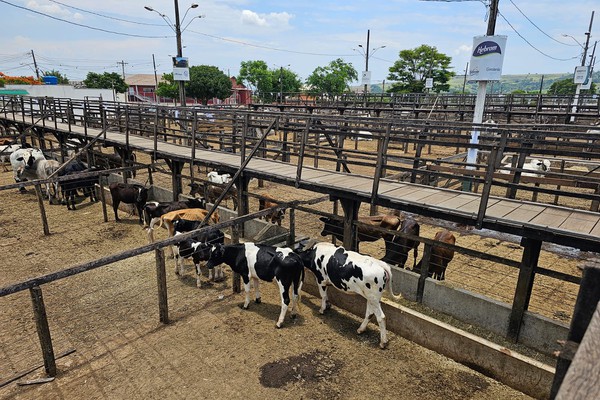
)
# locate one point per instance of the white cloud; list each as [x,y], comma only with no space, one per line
[273,20]
[463,49]
[54,10]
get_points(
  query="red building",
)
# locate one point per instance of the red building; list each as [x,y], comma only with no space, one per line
[142,88]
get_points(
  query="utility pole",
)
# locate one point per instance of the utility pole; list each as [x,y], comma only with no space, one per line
[122,63]
[578,88]
[480,99]
[280,85]
[179,52]
[367,58]
[37,71]
[155,79]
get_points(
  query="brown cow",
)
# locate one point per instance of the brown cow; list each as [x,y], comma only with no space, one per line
[440,256]
[212,192]
[190,214]
[274,217]
[365,233]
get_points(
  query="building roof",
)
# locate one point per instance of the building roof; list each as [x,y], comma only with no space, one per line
[14,92]
[142,80]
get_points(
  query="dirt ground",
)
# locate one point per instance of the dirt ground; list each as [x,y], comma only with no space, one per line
[211,349]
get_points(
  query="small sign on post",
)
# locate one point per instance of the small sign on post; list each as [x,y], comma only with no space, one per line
[366,78]
[428,83]
[181,70]
[581,76]
[487,58]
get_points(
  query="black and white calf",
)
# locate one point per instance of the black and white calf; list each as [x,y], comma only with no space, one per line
[256,261]
[349,271]
[198,249]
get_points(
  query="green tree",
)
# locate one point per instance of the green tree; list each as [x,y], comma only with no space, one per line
[566,86]
[257,76]
[167,87]
[62,79]
[414,66]
[333,78]
[286,81]
[206,82]
[107,80]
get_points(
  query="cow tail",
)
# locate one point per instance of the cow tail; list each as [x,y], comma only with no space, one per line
[388,272]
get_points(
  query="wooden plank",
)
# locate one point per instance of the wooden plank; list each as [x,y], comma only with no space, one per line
[385,187]
[595,230]
[473,206]
[577,224]
[524,212]
[551,217]
[439,197]
[460,200]
[500,209]
[400,192]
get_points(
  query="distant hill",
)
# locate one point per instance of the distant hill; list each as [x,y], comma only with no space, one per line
[508,83]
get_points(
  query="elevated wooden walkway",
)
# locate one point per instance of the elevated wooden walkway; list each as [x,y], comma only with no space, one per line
[574,228]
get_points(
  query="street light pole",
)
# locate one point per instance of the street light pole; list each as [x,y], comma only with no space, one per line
[367,58]
[578,88]
[179,52]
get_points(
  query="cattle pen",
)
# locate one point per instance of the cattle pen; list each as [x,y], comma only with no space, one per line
[402,170]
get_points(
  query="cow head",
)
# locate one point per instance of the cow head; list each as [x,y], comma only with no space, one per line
[142,195]
[217,253]
[197,203]
[332,227]
[195,188]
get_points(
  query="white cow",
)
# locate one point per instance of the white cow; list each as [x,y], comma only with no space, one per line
[5,152]
[537,167]
[23,158]
[42,169]
[214,177]
[351,272]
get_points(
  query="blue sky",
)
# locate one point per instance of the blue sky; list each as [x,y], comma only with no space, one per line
[301,34]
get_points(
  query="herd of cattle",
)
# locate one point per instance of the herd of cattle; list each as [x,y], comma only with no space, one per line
[333,265]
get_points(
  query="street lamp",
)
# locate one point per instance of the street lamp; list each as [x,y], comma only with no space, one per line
[177,29]
[281,82]
[365,53]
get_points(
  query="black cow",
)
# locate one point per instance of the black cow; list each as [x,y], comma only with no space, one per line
[396,250]
[129,194]
[70,187]
[197,248]
[256,261]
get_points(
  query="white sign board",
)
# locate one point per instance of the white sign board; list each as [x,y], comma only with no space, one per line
[366,77]
[487,58]
[428,83]
[181,74]
[581,75]
[181,70]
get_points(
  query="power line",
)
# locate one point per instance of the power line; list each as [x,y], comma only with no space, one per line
[104,16]
[82,25]
[267,47]
[538,28]
[531,45]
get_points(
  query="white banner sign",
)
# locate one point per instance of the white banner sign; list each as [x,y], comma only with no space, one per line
[181,74]
[487,58]
[428,83]
[366,77]
[581,75]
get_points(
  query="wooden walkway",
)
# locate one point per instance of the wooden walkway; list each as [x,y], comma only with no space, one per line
[574,228]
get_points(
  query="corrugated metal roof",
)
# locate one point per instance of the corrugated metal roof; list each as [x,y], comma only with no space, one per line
[141,80]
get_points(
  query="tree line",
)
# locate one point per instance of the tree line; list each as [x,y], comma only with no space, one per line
[408,74]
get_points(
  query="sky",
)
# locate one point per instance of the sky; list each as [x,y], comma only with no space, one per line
[79,36]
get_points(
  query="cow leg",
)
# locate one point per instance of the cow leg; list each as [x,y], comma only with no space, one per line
[115,208]
[198,274]
[257,298]
[324,300]
[381,321]
[296,299]
[247,293]
[365,322]
[285,302]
